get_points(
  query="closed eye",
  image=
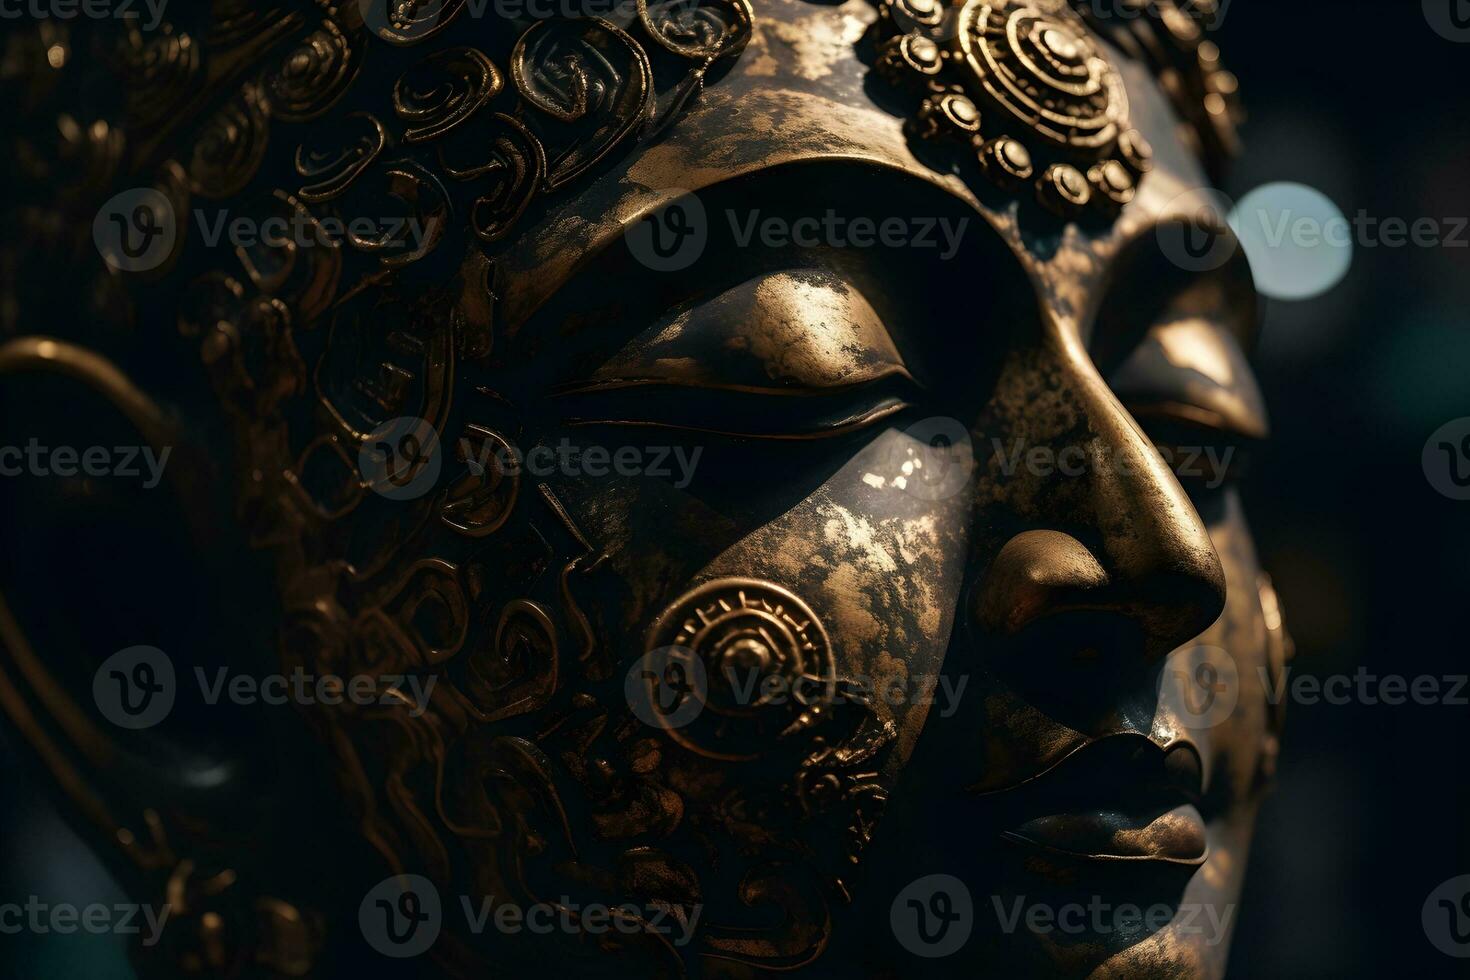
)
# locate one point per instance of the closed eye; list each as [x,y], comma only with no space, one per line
[1188,384]
[788,355]
[804,415]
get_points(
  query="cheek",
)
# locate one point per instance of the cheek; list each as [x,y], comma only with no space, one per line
[1235,739]
[875,557]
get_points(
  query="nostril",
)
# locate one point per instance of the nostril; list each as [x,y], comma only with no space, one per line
[1053,605]
[1178,606]
[1035,573]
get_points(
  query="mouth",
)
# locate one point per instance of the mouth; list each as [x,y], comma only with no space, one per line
[1176,836]
[1115,800]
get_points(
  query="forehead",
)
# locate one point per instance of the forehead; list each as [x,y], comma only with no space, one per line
[804,92]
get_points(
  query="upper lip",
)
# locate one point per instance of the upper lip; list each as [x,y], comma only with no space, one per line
[1118,798]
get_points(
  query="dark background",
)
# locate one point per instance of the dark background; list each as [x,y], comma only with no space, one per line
[1366,103]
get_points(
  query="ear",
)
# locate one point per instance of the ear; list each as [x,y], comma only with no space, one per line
[127,602]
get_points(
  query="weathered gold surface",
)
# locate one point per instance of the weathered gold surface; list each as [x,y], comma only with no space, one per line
[857,523]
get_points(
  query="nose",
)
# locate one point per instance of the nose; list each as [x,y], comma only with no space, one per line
[1104,564]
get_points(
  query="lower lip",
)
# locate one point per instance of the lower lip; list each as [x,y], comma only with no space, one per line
[1175,837]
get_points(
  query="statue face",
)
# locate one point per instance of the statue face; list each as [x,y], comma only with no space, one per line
[961,582]
[823,497]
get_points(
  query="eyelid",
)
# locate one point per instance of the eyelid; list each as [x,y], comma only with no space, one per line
[1192,371]
[792,332]
[797,354]
[815,415]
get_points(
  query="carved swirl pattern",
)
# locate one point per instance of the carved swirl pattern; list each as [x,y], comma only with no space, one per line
[368,585]
[589,76]
[481,500]
[408,22]
[238,22]
[231,146]
[767,659]
[422,203]
[332,167]
[517,674]
[304,271]
[700,29]
[443,91]
[163,70]
[313,75]
[514,165]
[382,363]
[310,346]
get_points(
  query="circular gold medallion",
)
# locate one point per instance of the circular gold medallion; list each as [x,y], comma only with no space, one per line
[766,659]
[1038,61]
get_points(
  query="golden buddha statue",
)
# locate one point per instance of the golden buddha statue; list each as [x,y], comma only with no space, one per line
[664,488]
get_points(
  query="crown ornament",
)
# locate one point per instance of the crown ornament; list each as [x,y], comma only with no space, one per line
[1030,90]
